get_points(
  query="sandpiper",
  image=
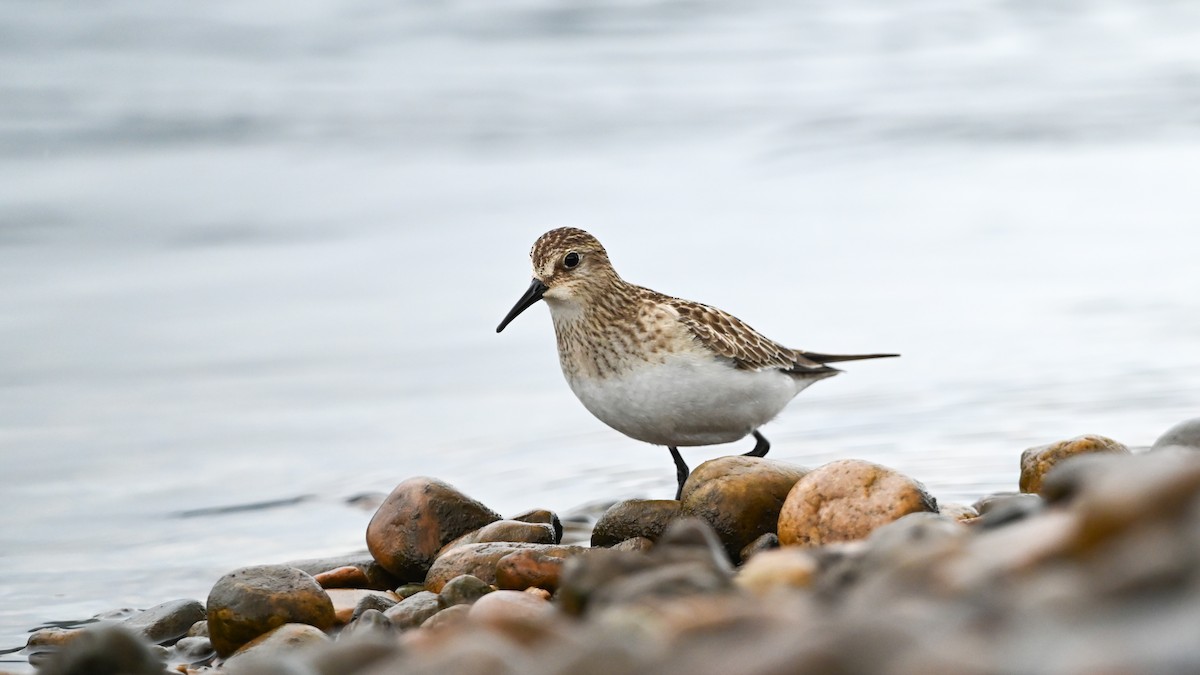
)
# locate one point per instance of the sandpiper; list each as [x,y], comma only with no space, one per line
[656,368]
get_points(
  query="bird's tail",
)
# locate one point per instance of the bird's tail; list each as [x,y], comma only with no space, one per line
[834,358]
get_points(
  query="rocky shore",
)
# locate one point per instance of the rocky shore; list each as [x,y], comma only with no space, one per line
[761,567]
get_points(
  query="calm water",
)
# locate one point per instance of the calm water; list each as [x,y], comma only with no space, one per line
[256,252]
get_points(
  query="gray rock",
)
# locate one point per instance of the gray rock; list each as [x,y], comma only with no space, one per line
[463,590]
[194,650]
[1186,434]
[105,649]
[167,621]
[414,610]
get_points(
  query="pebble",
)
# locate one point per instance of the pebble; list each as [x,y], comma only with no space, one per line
[779,568]
[418,518]
[248,602]
[480,560]
[740,497]
[503,607]
[447,618]
[413,611]
[346,601]
[463,590]
[370,622]
[1036,462]
[104,649]
[634,544]
[271,646]
[167,621]
[542,516]
[507,531]
[766,542]
[631,518]
[377,578]
[194,649]
[1184,435]
[959,512]
[520,570]
[347,576]
[846,500]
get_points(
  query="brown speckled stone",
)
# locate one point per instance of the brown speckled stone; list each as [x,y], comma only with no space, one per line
[634,518]
[740,497]
[418,518]
[480,560]
[250,601]
[1036,462]
[847,499]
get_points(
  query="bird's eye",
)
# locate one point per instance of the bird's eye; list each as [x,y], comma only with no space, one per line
[571,260]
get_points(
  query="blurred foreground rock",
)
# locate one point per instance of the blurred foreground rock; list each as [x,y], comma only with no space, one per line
[1098,574]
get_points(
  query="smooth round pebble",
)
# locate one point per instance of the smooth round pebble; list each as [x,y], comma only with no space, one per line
[846,500]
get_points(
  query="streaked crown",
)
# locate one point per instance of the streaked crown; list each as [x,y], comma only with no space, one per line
[571,262]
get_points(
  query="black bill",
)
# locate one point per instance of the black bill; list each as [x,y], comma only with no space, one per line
[535,292]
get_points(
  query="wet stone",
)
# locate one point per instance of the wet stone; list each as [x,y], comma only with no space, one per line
[586,574]
[347,576]
[448,617]
[504,607]
[779,568]
[520,570]
[1185,435]
[766,542]
[463,590]
[194,649]
[418,518]
[542,516]
[959,512]
[1036,462]
[199,629]
[378,602]
[507,531]
[48,639]
[251,601]
[692,540]
[740,497]
[272,646]
[1001,510]
[634,518]
[413,611]
[167,621]
[634,544]
[370,622]
[409,590]
[333,571]
[104,649]
[480,560]
[846,500]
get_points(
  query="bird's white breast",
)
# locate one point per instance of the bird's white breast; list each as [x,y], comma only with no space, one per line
[687,399]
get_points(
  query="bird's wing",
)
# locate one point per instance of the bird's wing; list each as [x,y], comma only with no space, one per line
[730,337]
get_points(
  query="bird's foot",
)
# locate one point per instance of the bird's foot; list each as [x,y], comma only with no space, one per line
[761,446]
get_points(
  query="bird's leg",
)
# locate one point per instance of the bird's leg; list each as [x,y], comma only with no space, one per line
[761,447]
[681,471]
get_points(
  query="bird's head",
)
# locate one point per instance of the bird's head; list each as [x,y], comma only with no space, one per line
[569,267]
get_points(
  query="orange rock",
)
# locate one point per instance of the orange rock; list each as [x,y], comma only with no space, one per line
[846,500]
[343,577]
[520,570]
[1038,461]
[417,519]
